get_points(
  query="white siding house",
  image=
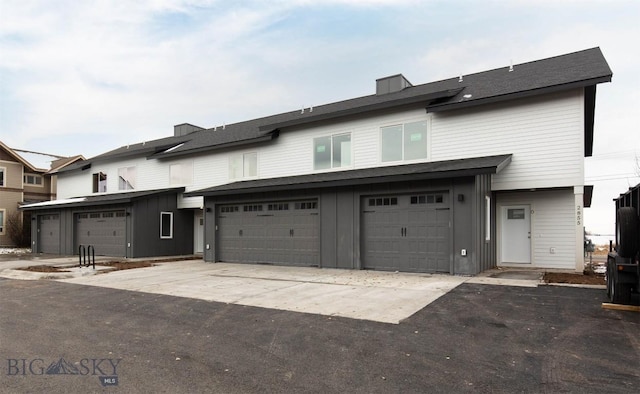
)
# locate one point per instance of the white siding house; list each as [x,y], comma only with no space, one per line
[492,164]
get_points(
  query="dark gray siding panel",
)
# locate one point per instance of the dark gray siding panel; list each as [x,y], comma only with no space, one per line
[463,227]
[146,228]
[337,225]
[486,254]
[328,230]
[347,210]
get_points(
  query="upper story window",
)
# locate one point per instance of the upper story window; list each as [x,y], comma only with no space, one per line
[126,178]
[181,174]
[243,165]
[332,151]
[404,142]
[33,179]
[99,182]
[2,176]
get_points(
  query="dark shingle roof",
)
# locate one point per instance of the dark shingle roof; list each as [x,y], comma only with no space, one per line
[573,70]
[578,69]
[367,176]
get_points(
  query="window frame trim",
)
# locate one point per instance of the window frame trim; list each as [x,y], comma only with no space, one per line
[3,221]
[331,167]
[3,170]
[402,142]
[35,176]
[170,236]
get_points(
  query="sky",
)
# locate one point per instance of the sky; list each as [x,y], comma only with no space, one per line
[85,77]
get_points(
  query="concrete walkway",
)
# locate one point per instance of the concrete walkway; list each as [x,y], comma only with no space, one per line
[387,297]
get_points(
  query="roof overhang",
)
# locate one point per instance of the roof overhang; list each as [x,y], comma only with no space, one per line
[587,196]
[367,176]
[96,200]
[264,138]
[447,106]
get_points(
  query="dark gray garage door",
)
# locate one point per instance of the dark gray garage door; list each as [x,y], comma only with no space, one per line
[406,232]
[105,231]
[49,233]
[274,232]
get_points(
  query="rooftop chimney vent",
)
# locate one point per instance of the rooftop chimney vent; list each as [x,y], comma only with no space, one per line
[184,129]
[392,84]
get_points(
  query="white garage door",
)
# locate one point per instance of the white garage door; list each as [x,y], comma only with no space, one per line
[284,233]
[105,231]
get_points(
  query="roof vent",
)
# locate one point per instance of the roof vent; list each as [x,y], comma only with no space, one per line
[184,129]
[392,84]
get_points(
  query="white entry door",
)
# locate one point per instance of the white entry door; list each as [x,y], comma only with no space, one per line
[198,232]
[516,234]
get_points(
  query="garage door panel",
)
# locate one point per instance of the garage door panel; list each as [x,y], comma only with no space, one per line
[275,232]
[410,233]
[49,233]
[105,231]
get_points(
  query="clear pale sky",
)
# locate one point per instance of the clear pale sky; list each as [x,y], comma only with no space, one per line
[85,77]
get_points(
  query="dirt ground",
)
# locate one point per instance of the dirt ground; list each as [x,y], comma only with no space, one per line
[115,266]
[579,279]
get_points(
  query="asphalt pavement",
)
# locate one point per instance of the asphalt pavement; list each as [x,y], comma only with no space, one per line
[475,338]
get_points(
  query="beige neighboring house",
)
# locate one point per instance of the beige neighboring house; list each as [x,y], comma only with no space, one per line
[26,177]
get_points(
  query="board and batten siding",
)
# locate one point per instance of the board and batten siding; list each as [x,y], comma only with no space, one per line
[545,135]
[553,230]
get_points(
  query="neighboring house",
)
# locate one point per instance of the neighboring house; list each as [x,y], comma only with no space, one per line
[454,176]
[25,177]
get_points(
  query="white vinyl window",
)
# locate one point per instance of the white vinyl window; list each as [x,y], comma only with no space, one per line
[332,151]
[404,142]
[181,174]
[166,225]
[243,165]
[126,178]
[99,182]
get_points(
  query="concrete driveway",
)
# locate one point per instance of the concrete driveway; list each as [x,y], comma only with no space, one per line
[387,297]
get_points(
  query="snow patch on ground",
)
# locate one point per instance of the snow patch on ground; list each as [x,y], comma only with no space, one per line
[15,250]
